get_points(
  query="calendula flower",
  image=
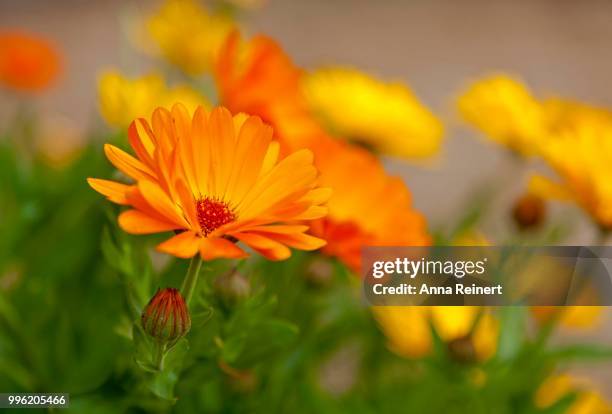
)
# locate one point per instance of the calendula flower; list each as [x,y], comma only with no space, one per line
[187,35]
[505,111]
[581,155]
[27,62]
[215,180]
[386,117]
[376,211]
[587,400]
[259,78]
[124,99]
[408,330]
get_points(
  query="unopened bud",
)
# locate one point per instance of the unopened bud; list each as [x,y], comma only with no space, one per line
[166,317]
[232,287]
[529,211]
[319,272]
[462,350]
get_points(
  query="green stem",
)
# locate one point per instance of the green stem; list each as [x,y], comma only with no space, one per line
[160,353]
[191,279]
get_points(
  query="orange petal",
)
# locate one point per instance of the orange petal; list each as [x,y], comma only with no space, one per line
[127,164]
[137,222]
[141,141]
[222,140]
[188,204]
[314,212]
[115,192]
[300,241]
[318,195]
[253,141]
[161,203]
[278,229]
[182,120]
[215,248]
[268,248]
[293,174]
[270,159]
[201,149]
[163,128]
[183,245]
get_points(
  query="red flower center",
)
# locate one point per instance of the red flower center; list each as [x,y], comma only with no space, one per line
[213,214]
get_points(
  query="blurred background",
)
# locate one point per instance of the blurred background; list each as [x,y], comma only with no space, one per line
[558,47]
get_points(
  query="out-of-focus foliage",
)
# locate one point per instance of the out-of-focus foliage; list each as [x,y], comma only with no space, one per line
[291,336]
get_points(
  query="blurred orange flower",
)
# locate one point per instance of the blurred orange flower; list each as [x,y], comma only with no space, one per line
[259,78]
[27,62]
[215,180]
[368,207]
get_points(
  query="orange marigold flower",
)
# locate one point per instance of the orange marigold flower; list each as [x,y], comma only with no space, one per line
[368,207]
[259,78]
[27,62]
[215,180]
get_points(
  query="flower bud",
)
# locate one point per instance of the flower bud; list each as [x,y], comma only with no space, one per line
[529,211]
[462,350]
[166,317]
[232,287]
[319,272]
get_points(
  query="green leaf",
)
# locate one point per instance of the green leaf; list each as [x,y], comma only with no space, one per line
[512,331]
[162,383]
[582,352]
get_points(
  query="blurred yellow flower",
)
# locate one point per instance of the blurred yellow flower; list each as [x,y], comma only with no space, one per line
[505,111]
[187,35]
[564,113]
[580,152]
[386,117]
[123,99]
[586,402]
[580,317]
[408,331]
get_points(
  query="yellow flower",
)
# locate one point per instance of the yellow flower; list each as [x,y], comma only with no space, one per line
[580,152]
[122,99]
[505,111]
[387,117]
[580,317]
[187,35]
[563,113]
[407,328]
[586,402]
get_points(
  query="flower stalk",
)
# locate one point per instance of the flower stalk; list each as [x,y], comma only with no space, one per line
[160,355]
[191,279]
